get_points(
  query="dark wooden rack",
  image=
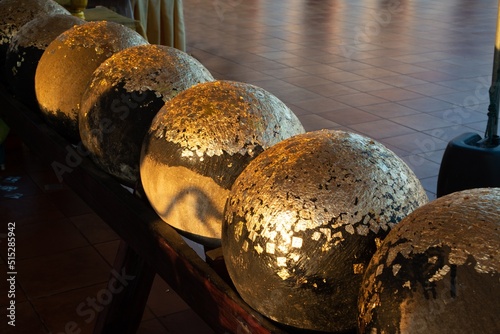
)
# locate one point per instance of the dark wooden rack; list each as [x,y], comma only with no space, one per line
[149,245]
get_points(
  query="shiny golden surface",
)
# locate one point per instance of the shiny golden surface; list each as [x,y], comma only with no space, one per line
[16,13]
[438,271]
[42,30]
[306,215]
[67,64]
[26,49]
[224,116]
[126,91]
[197,145]
[162,69]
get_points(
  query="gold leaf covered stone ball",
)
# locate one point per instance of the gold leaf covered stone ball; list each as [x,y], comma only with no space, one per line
[303,220]
[66,66]
[198,144]
[438,270]
[26,49]
[125,93]
[16,13]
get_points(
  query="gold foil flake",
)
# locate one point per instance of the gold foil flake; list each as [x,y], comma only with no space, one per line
[281,261]
[284,221]
[327,232]
[301,225]
[362,230]
[395,269]
[349,229]
[296,242]
[484,269]
[432,259]
[249,223]
[458,257]
[438,275]
[374,226]
[407,285]
[272,235]
[238,230]
[316,235]
[283,273]
[302,280]
[326,247]
[305,214]
[337,224]
[270,248]
[258,248]
[366,219]
[245,246]
[379,270]
[283,248]
[252,235]
[338,235]
[187,153]
[358,268]
[286,238]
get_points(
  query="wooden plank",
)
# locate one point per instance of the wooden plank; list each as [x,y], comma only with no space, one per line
[138,225]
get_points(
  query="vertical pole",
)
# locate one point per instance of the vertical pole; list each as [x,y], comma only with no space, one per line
[492,126]
[129,286]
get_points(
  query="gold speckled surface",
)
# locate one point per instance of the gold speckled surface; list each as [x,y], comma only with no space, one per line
[16,13]
[438,270]
[42,30]
[116,95]
[26,49]
[338,170]
[307,214]
[224,116]
[67,64]
[207,134]
[162,69]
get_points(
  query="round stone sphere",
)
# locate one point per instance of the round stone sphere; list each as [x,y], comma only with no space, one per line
[303,220]
[16,13]
[26,49]
[125,93]
[197,145]
[438,271]
[66,66]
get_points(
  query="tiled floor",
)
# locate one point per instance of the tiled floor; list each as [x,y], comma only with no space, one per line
[410,74]
[64,254]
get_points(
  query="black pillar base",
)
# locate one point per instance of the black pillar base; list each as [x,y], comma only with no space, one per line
[467,165]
